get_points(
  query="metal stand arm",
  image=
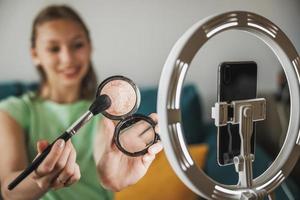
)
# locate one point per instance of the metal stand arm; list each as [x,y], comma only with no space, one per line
[243,163]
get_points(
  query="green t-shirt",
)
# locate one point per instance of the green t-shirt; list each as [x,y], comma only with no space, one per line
[44,119]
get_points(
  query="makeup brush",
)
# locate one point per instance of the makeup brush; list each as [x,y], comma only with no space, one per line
[100,104]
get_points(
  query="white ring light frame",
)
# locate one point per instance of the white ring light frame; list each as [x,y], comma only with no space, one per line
[169,112]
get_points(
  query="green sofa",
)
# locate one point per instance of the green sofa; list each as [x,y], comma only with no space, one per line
[196,131]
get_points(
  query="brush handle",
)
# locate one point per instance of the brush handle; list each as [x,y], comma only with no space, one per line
[36,162]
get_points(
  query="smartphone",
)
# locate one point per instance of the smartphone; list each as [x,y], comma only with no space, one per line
[236,81]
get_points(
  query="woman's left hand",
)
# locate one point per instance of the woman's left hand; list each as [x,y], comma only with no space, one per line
[118,170]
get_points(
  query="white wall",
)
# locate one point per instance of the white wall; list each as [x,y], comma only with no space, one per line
[134,38]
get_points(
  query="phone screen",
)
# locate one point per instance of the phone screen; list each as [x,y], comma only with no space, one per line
[236,81]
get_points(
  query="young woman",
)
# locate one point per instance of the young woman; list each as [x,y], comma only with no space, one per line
[88,167]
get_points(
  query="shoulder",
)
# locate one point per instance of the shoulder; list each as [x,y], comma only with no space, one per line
[25,99]
[19,108]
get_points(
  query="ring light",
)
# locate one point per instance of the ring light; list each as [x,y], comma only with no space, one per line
[169,111]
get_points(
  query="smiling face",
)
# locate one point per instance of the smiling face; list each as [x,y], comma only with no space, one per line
[63,51]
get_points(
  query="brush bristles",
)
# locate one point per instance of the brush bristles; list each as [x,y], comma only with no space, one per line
[100,104]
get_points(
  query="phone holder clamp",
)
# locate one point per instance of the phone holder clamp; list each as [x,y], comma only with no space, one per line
[220,112]
[244,112]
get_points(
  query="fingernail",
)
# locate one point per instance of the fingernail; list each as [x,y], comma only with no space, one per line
[60,143]
[154,149]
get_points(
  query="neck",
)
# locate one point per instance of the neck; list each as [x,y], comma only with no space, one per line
[61,94]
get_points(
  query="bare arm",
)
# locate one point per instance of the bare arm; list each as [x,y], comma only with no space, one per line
[14,160]
[60,162]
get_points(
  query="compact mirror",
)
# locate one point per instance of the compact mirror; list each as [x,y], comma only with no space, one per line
[134,133]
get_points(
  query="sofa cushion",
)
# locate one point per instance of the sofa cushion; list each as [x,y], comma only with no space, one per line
[161,182]
[192,119]
[15,88]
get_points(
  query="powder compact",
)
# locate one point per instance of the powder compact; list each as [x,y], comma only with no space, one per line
[134,133]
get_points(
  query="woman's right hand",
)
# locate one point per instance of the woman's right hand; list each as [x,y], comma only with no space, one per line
[59,169]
